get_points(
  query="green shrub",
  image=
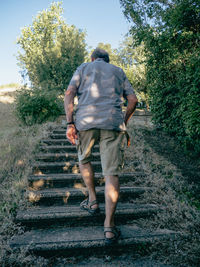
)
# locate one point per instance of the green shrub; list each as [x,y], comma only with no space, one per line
[37,106]
[170,31]
[174,94]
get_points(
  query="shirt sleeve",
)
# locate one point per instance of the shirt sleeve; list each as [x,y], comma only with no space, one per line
[127,87]
[76,78]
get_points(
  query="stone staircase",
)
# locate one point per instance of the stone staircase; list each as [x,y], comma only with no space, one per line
[55,224]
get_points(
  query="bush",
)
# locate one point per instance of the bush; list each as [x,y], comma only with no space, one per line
[174,94]
[170,31]
[37,106]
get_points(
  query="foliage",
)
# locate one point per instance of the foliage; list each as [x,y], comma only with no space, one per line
[170,31]
[51,50]
[37,106]
[132,60]
[113,54]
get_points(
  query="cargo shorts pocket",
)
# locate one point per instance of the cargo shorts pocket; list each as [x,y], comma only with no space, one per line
[122,146]
[79,147]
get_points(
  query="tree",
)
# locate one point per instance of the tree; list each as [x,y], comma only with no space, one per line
[132,60]
[170,31]
[51,50]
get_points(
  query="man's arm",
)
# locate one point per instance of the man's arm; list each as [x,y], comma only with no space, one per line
[69,108]
[132,102]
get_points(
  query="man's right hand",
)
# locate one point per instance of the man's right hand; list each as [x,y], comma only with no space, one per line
[132,102]
[71,134]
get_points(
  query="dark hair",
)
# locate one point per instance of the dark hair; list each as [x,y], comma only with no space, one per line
[100,53]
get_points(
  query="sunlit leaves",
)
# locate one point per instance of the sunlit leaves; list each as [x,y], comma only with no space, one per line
[51,50]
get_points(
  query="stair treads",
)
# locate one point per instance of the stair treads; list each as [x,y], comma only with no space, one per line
[55,239]
[74,216]
[72,195]
[71,179]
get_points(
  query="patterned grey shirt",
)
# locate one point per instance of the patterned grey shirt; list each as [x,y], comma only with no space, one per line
[100,89]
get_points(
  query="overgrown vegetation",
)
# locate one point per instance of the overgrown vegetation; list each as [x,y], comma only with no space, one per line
[37,106]
[170,31]
[16,155]
[176,187]
[17,145]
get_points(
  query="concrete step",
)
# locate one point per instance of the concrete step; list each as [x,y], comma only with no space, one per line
[68,179]
[61,135]
[59,131]
[72,215]
[66,195]
[55,141]
[61,167]
[85,240]
[56,157]
[53,148]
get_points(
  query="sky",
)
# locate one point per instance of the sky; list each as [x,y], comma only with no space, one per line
[103,21]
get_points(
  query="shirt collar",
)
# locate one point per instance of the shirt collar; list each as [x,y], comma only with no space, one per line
[99,59]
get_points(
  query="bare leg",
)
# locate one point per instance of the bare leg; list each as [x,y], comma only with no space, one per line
[111,198]
[88,177]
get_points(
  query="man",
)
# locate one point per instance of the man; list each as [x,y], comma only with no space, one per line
[100,87]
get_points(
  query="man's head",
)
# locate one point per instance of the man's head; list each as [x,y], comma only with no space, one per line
[100,53]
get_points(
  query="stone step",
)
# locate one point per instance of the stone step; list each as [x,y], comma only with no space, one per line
[66,195]
[59,131]
[85,240]
[56,157]
[69,179]
[52,148]
[61,167]
[57,136]
[55,141]
[72,215]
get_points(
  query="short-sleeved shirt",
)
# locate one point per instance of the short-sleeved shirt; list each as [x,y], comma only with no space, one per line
[100,90]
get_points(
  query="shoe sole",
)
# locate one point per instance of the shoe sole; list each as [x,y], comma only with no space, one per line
[92,212]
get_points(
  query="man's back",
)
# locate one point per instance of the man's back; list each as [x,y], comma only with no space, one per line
[101,87]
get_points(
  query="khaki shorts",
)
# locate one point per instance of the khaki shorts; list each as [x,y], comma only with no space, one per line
[112,144]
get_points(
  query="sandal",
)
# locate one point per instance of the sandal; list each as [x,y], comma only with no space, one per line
[86,205]
[115,231]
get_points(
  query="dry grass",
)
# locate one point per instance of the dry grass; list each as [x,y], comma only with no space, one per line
[161,159]
[9,86]
[7,120]
[17,144]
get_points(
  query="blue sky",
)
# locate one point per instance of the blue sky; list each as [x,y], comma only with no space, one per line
[103,21]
